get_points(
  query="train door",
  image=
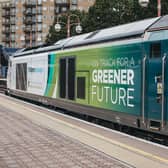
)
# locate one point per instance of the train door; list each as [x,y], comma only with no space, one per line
[21,76]
[154,68]
[67,78]
[82,87]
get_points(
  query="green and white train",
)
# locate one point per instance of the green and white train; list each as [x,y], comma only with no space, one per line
[118,74]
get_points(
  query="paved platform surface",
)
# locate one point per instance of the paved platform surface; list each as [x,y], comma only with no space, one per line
[45,138]
[24,144]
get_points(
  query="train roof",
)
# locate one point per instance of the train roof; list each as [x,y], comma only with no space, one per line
[130,30]
[162,23]
[114,33]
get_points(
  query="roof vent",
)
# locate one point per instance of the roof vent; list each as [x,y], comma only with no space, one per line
[92,34]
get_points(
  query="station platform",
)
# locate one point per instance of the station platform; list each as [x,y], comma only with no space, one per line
[32,136]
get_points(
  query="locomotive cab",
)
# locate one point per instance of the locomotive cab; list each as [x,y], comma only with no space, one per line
[155,72]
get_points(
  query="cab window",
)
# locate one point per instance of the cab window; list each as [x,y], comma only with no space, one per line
[155,50]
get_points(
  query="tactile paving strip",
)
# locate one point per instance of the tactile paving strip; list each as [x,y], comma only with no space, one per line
[24,144]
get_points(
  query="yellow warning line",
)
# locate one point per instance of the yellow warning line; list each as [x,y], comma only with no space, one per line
[138,151]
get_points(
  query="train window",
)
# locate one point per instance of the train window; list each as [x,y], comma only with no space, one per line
[62,78]
[71,78]
[21,76]
[155,50]
[81,87]
[67,78]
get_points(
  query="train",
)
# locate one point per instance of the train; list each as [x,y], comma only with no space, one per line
[118,74]
[5,53]
[4,56]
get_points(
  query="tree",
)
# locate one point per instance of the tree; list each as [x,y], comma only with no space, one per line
[54,36]
[150,11]
[108,13]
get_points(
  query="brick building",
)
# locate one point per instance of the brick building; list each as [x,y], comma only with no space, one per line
[2,4]
[25,23]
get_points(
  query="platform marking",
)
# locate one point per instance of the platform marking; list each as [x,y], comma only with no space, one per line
[138,151]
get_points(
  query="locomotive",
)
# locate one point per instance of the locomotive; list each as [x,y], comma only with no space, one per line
[117,74]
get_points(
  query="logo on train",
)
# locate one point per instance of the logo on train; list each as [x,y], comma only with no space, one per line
[115,84]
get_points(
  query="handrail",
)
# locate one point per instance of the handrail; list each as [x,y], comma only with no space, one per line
[163,96]
[143,88]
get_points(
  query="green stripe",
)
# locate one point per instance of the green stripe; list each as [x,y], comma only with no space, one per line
[51,75]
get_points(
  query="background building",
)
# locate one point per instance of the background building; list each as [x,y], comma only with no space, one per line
[26,23]
[2,4]
[83,5]
[62,6]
